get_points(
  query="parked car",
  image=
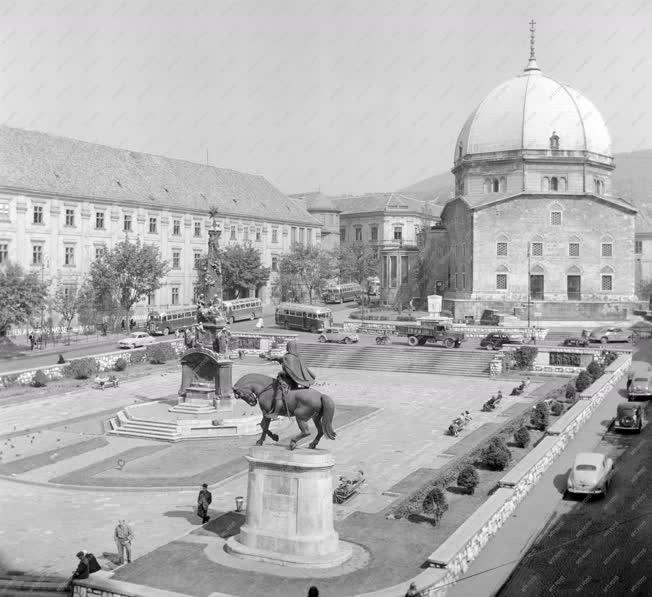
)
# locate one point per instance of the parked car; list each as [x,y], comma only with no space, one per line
[630,417]
[641,387]
[610,334]
[338,335]
[576,341]
[495,340]
[591,474]
[136,339]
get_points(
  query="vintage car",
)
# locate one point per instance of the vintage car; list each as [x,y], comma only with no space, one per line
[496,340]
[576,341]
[610,334]
[339,335]
[630,417]
[591,474]
[136,339]
[641,387]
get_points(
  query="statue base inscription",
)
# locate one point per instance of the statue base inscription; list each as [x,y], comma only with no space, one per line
[289,518]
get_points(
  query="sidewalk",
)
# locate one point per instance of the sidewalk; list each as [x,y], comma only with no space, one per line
[501,555]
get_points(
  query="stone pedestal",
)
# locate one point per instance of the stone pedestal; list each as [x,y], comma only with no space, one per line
[289,518]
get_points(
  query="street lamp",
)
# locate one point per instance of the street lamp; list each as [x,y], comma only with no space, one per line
[529,282]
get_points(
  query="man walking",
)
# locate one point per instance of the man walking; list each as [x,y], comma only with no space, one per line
[204,500]
[123,536]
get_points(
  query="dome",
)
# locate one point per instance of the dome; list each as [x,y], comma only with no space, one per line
[524,112]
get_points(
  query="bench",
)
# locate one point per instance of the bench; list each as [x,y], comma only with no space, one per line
[346,490]
[109,382]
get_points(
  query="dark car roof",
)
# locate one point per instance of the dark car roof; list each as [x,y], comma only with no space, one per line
[627,407]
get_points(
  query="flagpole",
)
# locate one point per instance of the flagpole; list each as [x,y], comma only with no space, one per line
[528,286]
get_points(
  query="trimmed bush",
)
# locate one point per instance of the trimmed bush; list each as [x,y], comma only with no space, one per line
[138,356]
[571,392]
[160,353]
[608,357]
[496,455]
[540,418]
[556,408]
[435,503]
[40,380]
[61,360]
[468,479]
[524,357]
[522,436]
[120,364]
[81,368]
[595,370]
[583,381]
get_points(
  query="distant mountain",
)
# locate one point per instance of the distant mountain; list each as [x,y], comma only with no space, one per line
[439,184]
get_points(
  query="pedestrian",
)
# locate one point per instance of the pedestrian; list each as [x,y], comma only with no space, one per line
[630,379]
[132,324]
[105,327]
[123,537]
[176,333]
[313,591]
[91,560]
[412,591]
[123,325]
[204,500]
[39,341]
[32,341]
[82,569]
[260,324]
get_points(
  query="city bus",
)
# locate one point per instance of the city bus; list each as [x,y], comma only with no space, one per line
[342,293]
[239,309]
[170,321]
[308,318]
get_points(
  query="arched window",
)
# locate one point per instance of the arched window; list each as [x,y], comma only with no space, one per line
[503,184]
[487,185]
[495,185]
[563,184]
[545,184]
[607,279]
[574,246]
[536,246]
[501,277]
[554,184]
[606,246]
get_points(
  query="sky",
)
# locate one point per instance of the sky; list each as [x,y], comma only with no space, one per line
[341,96]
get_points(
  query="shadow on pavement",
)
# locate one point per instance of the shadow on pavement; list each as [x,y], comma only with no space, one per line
[560,482]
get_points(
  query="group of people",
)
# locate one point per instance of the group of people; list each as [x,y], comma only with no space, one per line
[35,340]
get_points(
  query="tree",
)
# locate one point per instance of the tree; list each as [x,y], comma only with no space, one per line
[21,296]
[242,268]
[435,503]
[496,455]
[66,302]
[304,268]
[356,262]
[468,479]
[540,417]
[583,381]
[127,274]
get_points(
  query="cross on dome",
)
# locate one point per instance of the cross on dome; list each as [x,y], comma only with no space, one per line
[532,62]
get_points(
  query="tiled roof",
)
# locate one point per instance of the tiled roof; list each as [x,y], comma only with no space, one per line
[34,161]
[392,202]
[316,201]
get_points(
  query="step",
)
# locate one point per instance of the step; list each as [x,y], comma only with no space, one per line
[145,435]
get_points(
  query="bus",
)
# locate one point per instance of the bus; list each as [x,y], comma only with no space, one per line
[170,321]
[309,318]
[373,286]
[342,293]
[239,309]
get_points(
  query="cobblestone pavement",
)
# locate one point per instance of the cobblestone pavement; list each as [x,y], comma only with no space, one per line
[44,526]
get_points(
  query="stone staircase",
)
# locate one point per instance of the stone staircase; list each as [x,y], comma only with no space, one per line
[422,359]
[126,425]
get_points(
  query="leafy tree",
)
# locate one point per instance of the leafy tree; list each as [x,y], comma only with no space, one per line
[435,503]
[540,417]
[357,262]
[522,436]
[571,392]
[127,274]
[21,296]
[583,381]
[66,301]
[468,479]
[524,357]
[595,370]
[242,268]
[305,268]
[496,455]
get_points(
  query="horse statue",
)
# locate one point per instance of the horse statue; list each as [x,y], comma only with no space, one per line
[302,404]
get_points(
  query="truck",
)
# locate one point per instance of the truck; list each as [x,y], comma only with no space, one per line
[427,331]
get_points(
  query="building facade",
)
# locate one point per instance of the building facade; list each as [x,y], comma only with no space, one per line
[63,201]
[323,208]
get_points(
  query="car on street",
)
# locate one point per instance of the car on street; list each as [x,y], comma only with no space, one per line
[338,335]
[136,339]
[576,341]
[591,474]
[610,334]
[496,340]
[630,416]
[641,387]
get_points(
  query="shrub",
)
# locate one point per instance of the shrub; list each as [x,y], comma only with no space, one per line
[608,357]
[496,455]
[157,354]
[81,368]
[540,418]
[138,356]
[435,503]
[524,357]
[468,479]
[61,360]
[571,392]
[595,370]
[40,380]
[522,436]
[120,364]
[556,408]
[583,381]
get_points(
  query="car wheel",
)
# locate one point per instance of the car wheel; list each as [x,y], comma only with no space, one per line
[252,316]
[322,339]
[449,343]
[166,331]
[232,320]
[630,339]
[347,340]
[604,340]
[413,341]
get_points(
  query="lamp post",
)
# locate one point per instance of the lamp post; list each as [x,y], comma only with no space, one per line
[529,278]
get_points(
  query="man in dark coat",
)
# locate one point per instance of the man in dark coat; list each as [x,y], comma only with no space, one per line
[204,500]
[83,568]
[294,375]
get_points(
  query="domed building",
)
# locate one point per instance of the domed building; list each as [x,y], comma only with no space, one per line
[533,214]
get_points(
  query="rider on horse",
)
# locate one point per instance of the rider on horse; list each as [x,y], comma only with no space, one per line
[293,376]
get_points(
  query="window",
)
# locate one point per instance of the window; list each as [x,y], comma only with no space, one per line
[607,250]
[4,252]
[99,220]
[293,235]
[358,234]
[501,249]
[99,251]
[150,298]
[545,184]
[501,281]
[233,235]
[70,217]
[37,254]
[374,233]
[4,212]
[197,229]
[607,282]
[537,249]
[126,223]
[555,218]
[258,235]
[196,259]
[69,256]
[638,246]
[554,184]
[405,269]
[573,249]
[176,259]
[245,234]
[342,234]
[176,227]
[152,225]
[175,295]
[398,233]
[495,185]
[38,214]
[274,264]
[274,235]
[503,184]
